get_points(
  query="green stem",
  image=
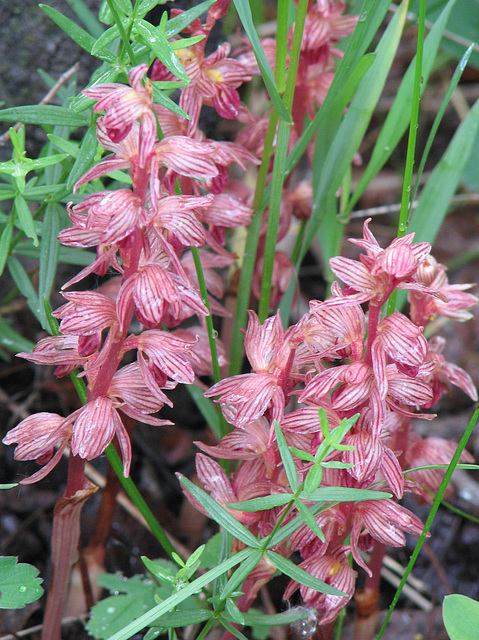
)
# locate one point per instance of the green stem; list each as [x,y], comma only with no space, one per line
[124,38]
[211,332]
[435,505]
[249,257]
[136,497]
[411,145]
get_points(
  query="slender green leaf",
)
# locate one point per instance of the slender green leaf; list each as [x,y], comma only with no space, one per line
[182,618]
[13,341]
[157,42]
[76,33]
[174,600]
[435,198]
[286,457]
[398,116]
[262,504]
[86,16]
[43,114]
[5,487]
[220,515]
[49,253]
[165,101]
[241,573]
[313,479]
[306,514]
[344,494]
[67,146]
[244,12]
[106,38]
[19,584]
[301,576]
[178,23]
[5,240]
[258,619]
[289,528]
[236,633]
[85,157]
[437,120]
[23,282]
[25,219]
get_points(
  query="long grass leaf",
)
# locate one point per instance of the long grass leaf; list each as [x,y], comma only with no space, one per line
[398,116]
[286,457]
[85,157]
[87,17]
[244,12]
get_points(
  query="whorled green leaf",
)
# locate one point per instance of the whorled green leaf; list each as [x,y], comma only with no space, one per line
[76,33]
[43,114]
[174,600]
[161,98]
[303,577]
[19,583]
[461,617]
[308,518]
[241,573]
[259,619]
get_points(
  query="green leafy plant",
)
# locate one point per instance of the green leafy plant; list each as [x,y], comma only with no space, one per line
[19,583]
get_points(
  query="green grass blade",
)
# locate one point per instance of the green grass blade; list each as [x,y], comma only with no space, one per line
[13,341]
[398,117]
[87,17]
[244,12]
[435,198]
[85,157]
[328,174]
[435,506]
[437,120]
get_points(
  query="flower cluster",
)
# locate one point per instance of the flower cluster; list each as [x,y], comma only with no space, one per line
[142,237]
[341,362]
